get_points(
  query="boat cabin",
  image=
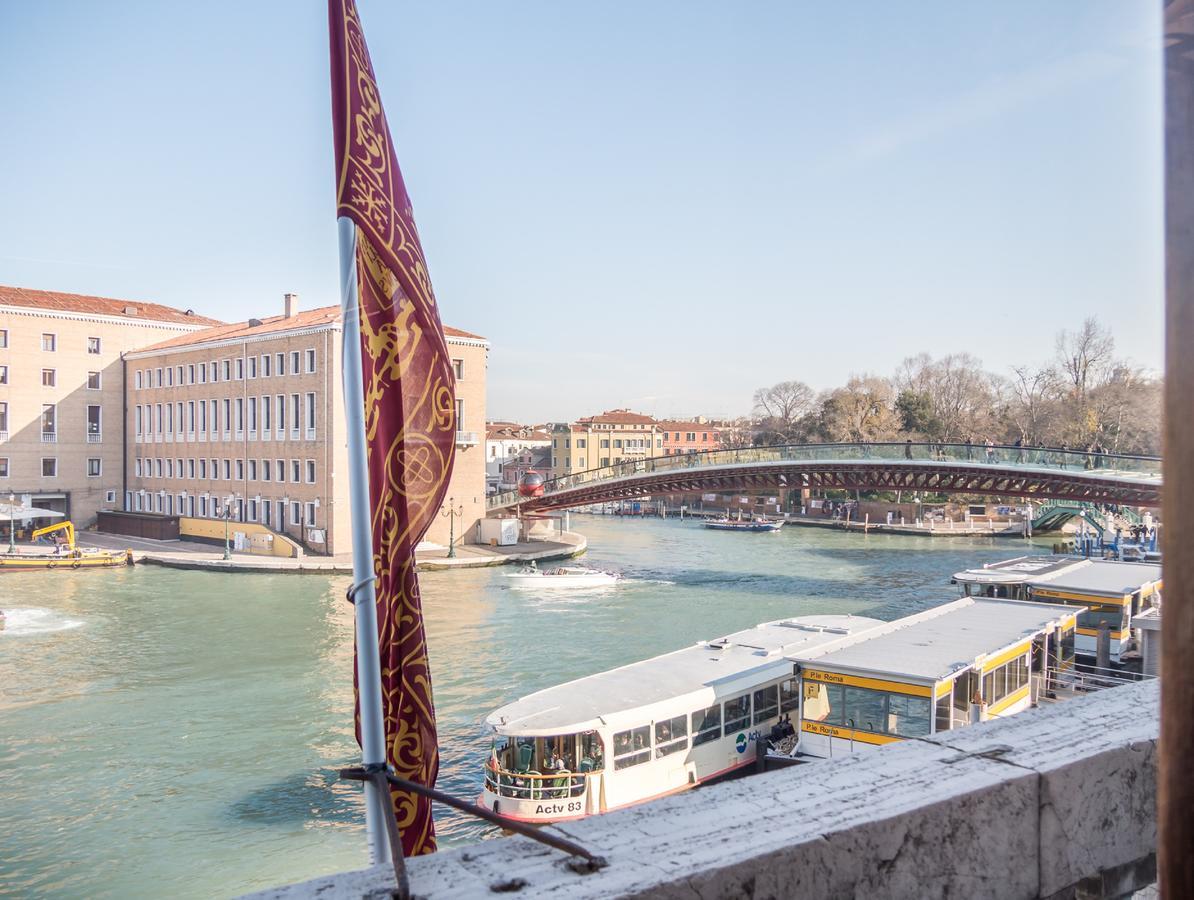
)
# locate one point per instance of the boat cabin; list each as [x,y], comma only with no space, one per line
[963,662]
[1114,593]
[653,727]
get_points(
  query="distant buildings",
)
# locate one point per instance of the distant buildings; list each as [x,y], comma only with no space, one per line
[695,436]
[511,450]
[615,436]
[246,416]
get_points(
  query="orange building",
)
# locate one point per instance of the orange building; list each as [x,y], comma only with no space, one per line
[695,436]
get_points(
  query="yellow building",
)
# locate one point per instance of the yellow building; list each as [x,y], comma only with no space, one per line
[62,393]
[615,436]
[250,417]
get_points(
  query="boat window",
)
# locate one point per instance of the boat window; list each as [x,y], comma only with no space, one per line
[944,716]
[592,752]
[908,716]
[1096,616]
[789,696]
[766,703]
[866,709]
[1005,680]
[706,725]
[671,736]
[632,747]
[823,703]
[737,713]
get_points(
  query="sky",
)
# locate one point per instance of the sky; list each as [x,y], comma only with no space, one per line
[657,205]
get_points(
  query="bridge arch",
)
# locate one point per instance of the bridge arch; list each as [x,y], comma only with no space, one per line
[1032,472]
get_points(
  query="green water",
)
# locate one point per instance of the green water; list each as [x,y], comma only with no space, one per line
[176,734]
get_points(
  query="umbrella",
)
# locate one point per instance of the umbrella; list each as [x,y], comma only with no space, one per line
[24,513]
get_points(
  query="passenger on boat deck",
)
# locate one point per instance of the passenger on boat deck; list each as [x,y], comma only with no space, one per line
[665,733]
[557,762]
[622,743]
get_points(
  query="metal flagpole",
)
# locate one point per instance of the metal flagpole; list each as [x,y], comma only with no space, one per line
[373,734]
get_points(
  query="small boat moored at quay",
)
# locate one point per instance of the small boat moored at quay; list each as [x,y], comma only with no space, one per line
[753,525]
[532,577]
[844,684]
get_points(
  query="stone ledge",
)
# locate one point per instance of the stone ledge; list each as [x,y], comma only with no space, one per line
[1054,802]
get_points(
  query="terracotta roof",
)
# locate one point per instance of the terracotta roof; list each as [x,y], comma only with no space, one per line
[456,332]
[309,318]
[617,417]
[689,426]
[103,306]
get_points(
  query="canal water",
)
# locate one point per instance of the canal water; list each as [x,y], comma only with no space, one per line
[167,733]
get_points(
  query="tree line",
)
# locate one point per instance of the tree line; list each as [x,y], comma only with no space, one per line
[1084,397]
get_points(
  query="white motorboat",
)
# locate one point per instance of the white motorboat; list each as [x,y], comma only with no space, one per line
[532,577]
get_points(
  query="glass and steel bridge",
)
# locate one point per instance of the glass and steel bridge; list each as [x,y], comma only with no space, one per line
[1032,472]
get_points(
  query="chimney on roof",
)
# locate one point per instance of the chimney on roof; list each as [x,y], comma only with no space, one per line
[290,305]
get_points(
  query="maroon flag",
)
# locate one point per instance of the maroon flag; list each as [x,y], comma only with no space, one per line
[410,408]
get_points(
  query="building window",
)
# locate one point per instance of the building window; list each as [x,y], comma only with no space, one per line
[49,377]
[296,510]
[252,414]
[310,471]
[252,366]
[169,376]
[49,467]
[215,371]
[3,466]
[137,467]
[266,410]
[159,377]
[280,364]
[279,470]
[180,381]
[157,464]
[240,415]
[458,368]
[49,420]
[93,381]
[252,510]
[202,468]
[3,338]
[310,362]
[93,467]
[137,418]
[266,361]
[265,471]
[311,514]
[252,470]
[310,416]
[580,443]
[281,401]
[460,417]
[137,379]
[296,412]
[169,468]
[49,342]
[240,368]
[191,468]
[227,370]
[227,470]
[296,472]
[294,362]
[93,421]
[93,345]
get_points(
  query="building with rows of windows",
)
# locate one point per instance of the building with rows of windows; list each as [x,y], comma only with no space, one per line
[247,421]
[113,404]
[62,393]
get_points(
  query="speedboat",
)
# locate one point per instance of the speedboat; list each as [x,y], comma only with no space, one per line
[727,524]
[565,576]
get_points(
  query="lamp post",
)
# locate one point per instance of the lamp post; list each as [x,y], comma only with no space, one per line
[227,515]
[12,522]
[452,512]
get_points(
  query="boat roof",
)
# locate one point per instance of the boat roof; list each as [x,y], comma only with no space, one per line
[580,705]
[1067,573]
[1103,576]
[1018,570]
[936,644]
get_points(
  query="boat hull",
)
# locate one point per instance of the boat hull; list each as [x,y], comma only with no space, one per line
[68,563]
[535,582]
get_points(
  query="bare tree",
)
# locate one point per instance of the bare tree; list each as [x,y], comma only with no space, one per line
[780,407]
[1085,356]
[862,410]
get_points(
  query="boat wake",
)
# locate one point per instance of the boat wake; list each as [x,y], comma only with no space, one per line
[22,621]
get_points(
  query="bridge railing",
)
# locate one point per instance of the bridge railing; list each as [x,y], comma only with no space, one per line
[1145,468]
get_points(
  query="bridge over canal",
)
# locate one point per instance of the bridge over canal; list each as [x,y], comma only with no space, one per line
[1030,472]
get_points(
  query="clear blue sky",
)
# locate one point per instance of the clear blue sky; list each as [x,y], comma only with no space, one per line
[660,205]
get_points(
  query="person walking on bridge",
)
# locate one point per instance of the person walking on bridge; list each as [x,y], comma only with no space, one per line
[908,449]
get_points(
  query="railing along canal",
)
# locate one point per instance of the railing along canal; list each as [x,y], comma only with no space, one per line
[1087,462]
[533,786]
